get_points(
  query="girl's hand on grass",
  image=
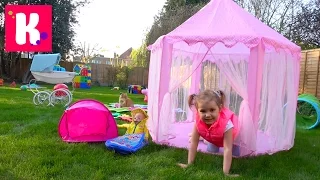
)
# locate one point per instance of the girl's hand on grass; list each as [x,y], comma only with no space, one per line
[183,165]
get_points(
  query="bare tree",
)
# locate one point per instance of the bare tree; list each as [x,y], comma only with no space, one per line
[87,52]
[305,27]
[275,13]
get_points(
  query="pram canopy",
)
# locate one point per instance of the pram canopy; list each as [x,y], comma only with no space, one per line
[42,68]
[44,62]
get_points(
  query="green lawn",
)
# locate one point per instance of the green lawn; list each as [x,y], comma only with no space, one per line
[30,148]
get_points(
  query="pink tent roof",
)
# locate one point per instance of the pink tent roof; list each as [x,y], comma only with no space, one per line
[224,21]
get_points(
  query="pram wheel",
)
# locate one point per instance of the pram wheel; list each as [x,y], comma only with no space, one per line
[42,97]
[61,97]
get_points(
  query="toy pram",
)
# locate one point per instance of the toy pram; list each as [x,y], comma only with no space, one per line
[43,69]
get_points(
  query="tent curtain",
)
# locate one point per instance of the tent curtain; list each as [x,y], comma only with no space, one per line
[184,65]
[234,68]
[278,100]
[154,84]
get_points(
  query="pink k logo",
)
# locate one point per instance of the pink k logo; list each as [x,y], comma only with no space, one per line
[28,28]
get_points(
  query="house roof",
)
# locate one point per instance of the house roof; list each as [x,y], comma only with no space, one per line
[126,54]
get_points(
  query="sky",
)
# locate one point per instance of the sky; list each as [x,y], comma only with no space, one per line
[116,25]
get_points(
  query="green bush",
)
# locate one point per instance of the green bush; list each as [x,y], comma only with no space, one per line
[121,79]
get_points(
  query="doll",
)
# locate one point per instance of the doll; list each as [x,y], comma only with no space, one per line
[138,124]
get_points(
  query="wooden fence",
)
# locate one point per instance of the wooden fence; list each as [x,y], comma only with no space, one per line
[310,72]
[102,74]
[106,75]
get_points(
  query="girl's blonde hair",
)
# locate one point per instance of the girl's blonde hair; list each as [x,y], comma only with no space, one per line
[207,95]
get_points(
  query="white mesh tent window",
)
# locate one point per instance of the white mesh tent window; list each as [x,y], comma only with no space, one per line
[211,78]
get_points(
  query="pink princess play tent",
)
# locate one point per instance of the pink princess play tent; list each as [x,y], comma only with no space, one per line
[224,47]
[87,120]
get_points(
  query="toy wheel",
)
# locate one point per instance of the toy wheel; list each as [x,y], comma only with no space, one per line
[60,97]
[41,97]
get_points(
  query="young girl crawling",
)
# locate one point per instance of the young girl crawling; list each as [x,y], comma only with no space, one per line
[215,124]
